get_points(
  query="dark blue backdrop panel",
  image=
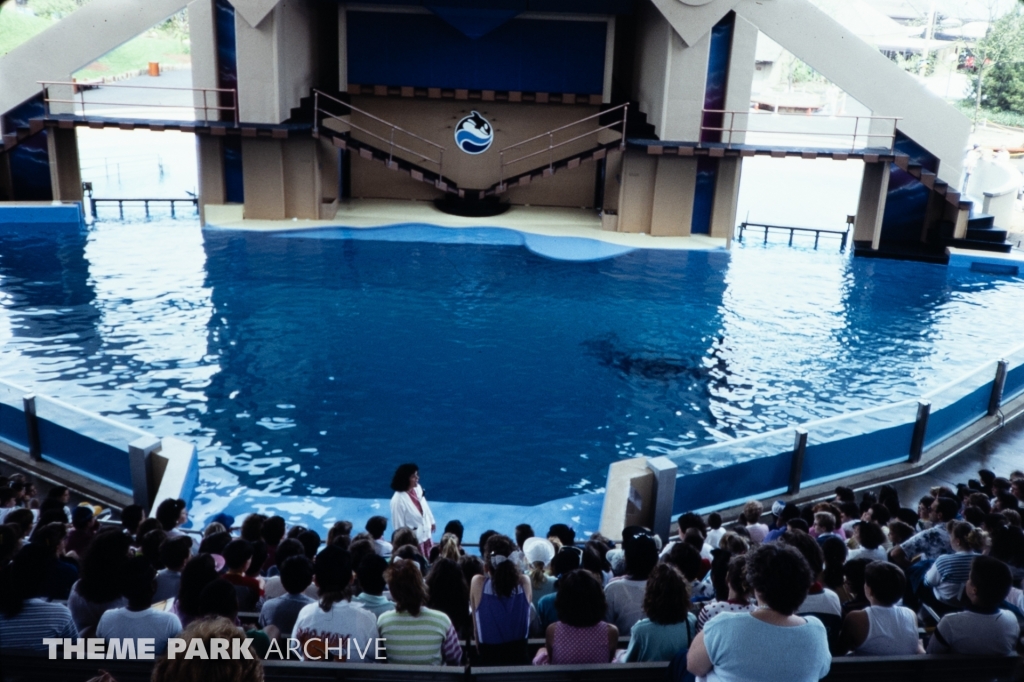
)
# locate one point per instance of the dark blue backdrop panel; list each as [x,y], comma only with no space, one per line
[950,419]
[98,460]
[529,55]
[905,207]
[703,195]
[1014,382]
[750,479]
[234,185]
[12,426]
[836,458]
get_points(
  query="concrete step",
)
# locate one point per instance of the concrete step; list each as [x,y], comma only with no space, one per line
[980,221]
[986,234]
[979,245]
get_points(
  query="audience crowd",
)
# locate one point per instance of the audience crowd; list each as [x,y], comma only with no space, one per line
[773,595]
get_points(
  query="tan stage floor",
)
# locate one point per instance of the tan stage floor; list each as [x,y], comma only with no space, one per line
[555,222]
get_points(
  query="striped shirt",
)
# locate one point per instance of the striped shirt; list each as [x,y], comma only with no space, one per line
[949,574]
[426,639]
[38,619]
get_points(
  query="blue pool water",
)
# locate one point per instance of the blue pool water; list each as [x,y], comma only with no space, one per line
[309,364]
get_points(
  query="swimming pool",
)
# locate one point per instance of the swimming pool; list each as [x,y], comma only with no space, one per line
[307,364]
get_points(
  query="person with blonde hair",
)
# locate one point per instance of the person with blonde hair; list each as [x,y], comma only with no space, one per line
[757,531]
[181,669]
[449,547]
[948,575]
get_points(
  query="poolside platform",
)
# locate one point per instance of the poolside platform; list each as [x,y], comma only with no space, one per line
[986,261]
[531,220]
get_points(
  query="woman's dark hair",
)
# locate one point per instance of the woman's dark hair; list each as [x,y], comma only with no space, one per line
[215,544]
[798,524]
[197,574]
[405,582]
[719,570]
[853,570]
[779,575]
[564,533]
[684,557]
[310,540]
[404,536]
[400,481]
[907,516]
[131,517]
[168,513]
[566,559]
[252,527]
[286,549]
[144,527]
[333,571]
[880,514]
[886,581]
[471,566]
[23,578]
[219,598]
[889,496]
[737,575]
[834,551]
[844,494]
[273,530]
[449,592]
[807,546]
[236,553]
[49,536]
[138,587]
[338,529]
[690,520]
[376,527]
[870,534]
[23,518]
[714,520]
[259,557]
[641,557]
[580,599]
[524,532]
[667,597]
[413,554]
[174,552]
[150,547]
[456,528]
[57,492]
[992,580]
[360,549]
[370,573]
[504,575]
[103,566]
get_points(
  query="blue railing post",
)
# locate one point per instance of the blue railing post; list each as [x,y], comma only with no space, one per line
[996,399]
[35,449]
[796,467]
[924,410]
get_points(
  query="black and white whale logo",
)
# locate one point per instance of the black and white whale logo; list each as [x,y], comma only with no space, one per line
[473,134]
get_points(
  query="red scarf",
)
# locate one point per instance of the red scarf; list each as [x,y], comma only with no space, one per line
[416,501]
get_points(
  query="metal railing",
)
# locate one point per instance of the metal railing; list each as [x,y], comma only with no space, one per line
[844,235]
[94,202]
[79,89]
[550,135]
[392,129]
[731,129]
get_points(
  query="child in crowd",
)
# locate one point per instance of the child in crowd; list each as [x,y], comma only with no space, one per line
[174,553]
[984,629]
[139,620]
[281,612]
[883,628]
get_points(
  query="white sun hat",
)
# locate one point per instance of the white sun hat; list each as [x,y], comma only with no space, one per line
[538,550]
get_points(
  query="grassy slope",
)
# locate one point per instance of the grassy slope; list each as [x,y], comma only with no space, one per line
[16,28]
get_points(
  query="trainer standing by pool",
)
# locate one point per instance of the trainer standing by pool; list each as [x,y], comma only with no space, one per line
[409,508]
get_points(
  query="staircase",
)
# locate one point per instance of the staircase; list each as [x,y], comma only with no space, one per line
[20,133]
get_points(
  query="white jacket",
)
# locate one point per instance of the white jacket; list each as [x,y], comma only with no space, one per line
[405,513]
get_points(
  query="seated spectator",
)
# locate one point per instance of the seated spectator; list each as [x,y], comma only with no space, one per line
[370,574]
[456,528]
[932,543]
[798,524]
[948,575]
[561,535]
[821,602]
[62,496]
[99,585]
[131,517]
[565,560]
[281,612]
[237,558]
[448,548]
[171,514]
[752,516]
[271,532]
[272,587]
[539,553]
[737,597]
[870,537]
[415,634]
[180,668]
[881,629]
[715,530]
[500,603]
[580,636]
[218,599]
[625,595]
[669,627]
[771,643]
[144,528]
[376,527]
[833,551]
[25,618]
[335,618]
[783,513]
[449,593]
[138,619]
[985,629]
[899,532]
[524,532]
[150,547]
[61,573]
[402,537]
[199,572]
[174,554]
[83,530]
[824,527]
[853,572]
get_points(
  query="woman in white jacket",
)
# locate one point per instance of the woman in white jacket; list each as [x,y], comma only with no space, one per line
[409,508]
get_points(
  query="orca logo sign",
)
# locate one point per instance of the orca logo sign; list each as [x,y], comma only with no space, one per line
[473,134]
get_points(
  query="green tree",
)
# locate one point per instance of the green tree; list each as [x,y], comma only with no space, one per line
[1004,44]
[1005,88]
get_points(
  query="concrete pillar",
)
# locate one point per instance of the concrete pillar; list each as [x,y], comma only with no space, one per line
[210,164]
[636,192]
[672,207]
[65,172]
[263,175]
[302,191]
[202,33]
[276,61]
[871,205]
[727,192]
